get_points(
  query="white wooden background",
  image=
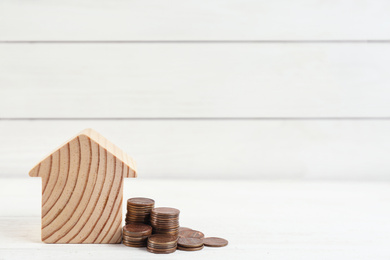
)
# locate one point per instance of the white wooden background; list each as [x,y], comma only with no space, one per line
[229,92]
[201,89]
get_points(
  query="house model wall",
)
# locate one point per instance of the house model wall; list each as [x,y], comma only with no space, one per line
[82,190]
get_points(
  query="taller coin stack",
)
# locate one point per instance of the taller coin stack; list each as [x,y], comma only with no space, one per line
[165,221]
[138,210]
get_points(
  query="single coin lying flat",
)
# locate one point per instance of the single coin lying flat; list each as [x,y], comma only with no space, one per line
[215,241]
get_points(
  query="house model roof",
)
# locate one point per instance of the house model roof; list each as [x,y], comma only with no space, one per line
[104,143]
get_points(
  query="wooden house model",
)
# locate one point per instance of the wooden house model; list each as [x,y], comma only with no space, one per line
[82,186]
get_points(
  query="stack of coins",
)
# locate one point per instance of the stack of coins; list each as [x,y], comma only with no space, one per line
[162,244]
[165,221]
[136,235]
[190,244]
[138,210]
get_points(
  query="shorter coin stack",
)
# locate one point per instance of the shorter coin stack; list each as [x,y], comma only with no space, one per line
[136,235]
[162,244]
[165,221]
[190,244]
[138,210]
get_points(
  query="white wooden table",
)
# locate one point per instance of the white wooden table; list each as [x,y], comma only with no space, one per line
[261,219]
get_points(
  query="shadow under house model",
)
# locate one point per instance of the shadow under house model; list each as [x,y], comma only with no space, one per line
[82,190]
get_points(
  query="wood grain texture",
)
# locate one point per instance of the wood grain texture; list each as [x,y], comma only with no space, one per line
[219,149]
[194,20]
[82,184]
[194,80]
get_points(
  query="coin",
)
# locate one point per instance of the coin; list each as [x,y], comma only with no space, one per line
[158,246]
[191,234]
[164,251]
[140,201]
[190,248]
[184,228]
[137,230]
[135,239]
[134,245]
[162,239]
[165,211]
[189,242]
[215,241]
[159,218]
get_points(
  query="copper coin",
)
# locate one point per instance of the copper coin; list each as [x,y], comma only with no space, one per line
[190,248]
[166,228]
[173,230]
[134,242]
[159,218]
[162,239]
[191,234]
[165,211]
[134,217]
[137,221]
[159,221]
[139,207]
[215,241]
[126,236]
[140,201]
[137,212]
[174,221]
[133,245]
[137,244]
[140,210]
[134,239]
[137,229]
[168,233]
[189,242]
[166,251]
[160,247]
[184,228]
[137,218]
[176,228]
[162,216]
[163,231]
[164,222]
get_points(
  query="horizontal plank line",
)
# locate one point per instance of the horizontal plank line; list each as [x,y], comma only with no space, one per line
[331,150]
[198,42]
[188,118]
